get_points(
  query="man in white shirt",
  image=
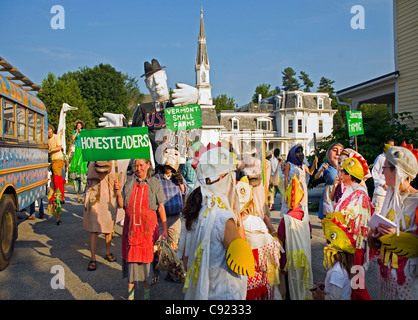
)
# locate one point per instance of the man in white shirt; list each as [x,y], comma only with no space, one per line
[379,179]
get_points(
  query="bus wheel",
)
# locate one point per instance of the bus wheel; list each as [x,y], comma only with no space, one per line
[8,230]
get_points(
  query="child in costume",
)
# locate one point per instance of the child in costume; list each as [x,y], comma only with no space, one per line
[338,259]
[265,247]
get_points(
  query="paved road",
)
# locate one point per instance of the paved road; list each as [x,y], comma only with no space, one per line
[43,246]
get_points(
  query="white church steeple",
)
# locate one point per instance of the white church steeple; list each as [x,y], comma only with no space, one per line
[202,67]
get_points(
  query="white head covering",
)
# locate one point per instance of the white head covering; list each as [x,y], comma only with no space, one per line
[406,164]
[212,164]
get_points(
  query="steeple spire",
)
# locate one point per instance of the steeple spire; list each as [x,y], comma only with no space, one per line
[202,55]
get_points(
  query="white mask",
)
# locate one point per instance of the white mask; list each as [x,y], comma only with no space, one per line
[157,86]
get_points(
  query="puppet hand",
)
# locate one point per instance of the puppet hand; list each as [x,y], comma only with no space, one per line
[112,120]
[178,177]
[184,95]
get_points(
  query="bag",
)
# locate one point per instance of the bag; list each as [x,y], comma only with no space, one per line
[274,178]
[167,260]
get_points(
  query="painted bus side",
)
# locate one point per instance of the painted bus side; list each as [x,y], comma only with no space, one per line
[23,158]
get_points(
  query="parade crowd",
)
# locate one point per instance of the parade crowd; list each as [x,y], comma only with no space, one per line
[206,221]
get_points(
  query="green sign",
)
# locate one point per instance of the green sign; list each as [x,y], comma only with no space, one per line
[115,143]
[355,123]
[183,118]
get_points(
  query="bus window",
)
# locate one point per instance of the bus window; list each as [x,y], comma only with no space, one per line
[9,119]
[21,122]
[39,128]
[31,125]
[1,116]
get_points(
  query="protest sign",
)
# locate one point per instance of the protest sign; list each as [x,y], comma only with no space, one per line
[183,118]
[355,123]
[115,144]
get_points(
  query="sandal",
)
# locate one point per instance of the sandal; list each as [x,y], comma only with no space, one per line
[109,257]
[92,265]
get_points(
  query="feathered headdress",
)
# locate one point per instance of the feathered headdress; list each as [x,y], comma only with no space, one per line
[356,166]
[339,236]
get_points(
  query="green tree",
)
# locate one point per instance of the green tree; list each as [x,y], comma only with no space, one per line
[289,82]
[264,90]
[106,90]
[56,92]
[223,102]
[307,83]
[325,85]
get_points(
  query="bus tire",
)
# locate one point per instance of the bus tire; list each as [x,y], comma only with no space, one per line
[8,230]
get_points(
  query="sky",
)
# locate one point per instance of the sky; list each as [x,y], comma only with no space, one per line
[248,42]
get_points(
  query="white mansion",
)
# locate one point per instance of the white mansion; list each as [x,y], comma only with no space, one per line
[282,121]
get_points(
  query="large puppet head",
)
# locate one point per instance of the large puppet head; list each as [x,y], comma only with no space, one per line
[171,158]
[356,166]
[156,81]
[339,237]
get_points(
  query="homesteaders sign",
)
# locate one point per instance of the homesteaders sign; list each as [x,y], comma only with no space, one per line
[115,144]
[183,118]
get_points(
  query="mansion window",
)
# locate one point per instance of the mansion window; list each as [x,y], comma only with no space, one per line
[290,126]
[320,103]
[300,101]
[300,126]
[321,126]
[235,124]
[263,124]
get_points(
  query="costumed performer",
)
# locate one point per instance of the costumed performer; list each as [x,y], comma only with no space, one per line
[251,165]
[56,196]
[398,259]
[212,241]
[328,170]
[294,233]
[140,197]
[266,248]
[78,168]
[100,208]
[338,259]
[357,209]
[338,188]
[295,166]
[380,185]
[175,188]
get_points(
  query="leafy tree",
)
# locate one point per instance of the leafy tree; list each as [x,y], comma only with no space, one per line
[264,90]
[106,90]
[307,83]
[289,82]
[56,92]
[223,102]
